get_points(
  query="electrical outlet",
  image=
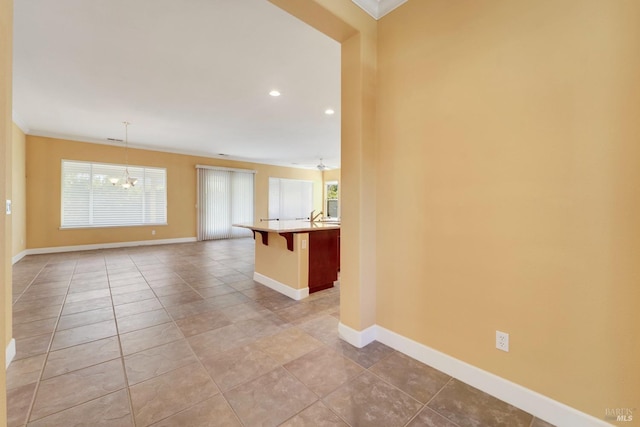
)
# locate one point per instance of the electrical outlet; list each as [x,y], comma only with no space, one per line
[8,206]
[502,341]
[304,244]
[153,232]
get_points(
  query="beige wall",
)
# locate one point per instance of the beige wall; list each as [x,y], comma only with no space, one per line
[508,193]
[278,263]
[44,157]
[6,43]
[19,192]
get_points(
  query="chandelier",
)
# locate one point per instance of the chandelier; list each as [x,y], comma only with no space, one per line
[127,180]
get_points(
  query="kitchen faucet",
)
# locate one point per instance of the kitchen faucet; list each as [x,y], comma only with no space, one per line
[314,218]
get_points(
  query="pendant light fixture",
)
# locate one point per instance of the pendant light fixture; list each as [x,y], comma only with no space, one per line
[127,180]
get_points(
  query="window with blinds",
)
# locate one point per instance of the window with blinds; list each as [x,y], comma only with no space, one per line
[89,199]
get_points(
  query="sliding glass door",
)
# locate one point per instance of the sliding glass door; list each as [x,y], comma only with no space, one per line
[225,197]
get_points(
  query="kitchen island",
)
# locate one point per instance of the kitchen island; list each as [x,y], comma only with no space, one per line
[296,258]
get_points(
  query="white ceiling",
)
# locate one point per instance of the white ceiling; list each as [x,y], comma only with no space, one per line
[192,76]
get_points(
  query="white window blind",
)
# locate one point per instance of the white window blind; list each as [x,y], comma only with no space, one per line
[225,197]
[89,199]
[290,198]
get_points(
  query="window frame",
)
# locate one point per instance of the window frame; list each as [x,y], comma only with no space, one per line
[90,201]
[327,199]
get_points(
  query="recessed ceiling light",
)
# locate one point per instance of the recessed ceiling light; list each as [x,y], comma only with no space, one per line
[329,111]
[274,93]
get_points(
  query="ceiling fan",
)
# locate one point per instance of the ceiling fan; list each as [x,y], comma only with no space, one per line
[321,166]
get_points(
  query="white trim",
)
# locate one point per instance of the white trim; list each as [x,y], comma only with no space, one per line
[296,294]
[528,400]
[18,257]
[17,120]
[57,249]
[220,168]
[357,338]
[10,352]
[378,8]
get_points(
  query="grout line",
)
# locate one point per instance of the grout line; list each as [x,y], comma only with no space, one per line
[124,370]
[48,352]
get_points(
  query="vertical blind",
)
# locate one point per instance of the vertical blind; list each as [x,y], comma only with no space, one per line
[225,197]
[290,198]
[89,199]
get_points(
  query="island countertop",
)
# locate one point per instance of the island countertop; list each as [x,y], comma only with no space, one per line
[291,226]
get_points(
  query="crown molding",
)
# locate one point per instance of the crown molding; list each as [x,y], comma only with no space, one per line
[378,8]
[19,122]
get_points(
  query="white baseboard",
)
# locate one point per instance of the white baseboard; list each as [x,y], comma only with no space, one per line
[530,401]
[296,294]
[18,257]
[95,246]
[357,338]
[10,352]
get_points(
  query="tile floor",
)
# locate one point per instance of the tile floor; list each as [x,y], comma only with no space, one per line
[180,335]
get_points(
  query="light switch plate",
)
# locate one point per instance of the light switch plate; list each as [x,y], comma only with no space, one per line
[8,207]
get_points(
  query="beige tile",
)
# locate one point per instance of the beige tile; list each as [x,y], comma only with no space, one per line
[142,320]
[81,356]
[369,401]
[429,418]
[138,287]
[416,379]
[468,406]
[31,314]
[80,306]
[85,318]
[131,297]
[25,371]
[41,291]
[167,394]
[153,336]
[244,311]
[202,322]
[227,300]
[277,302]
[83,334]
[27,347]
[181,298]
[323,370]
[212,412]
[111,410]
[84,286]
[299,312]
[181,311]
[128,281]
[64,391]
[130,309]
[87,295]
[158,360]
[163,291]
[215,291]
[218,340]
[316,415]
[32,329]
[288,345]
[237,366]
[33,304]
[18,403]
[323,328]
[270,399]
[366,356]
[260,327]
